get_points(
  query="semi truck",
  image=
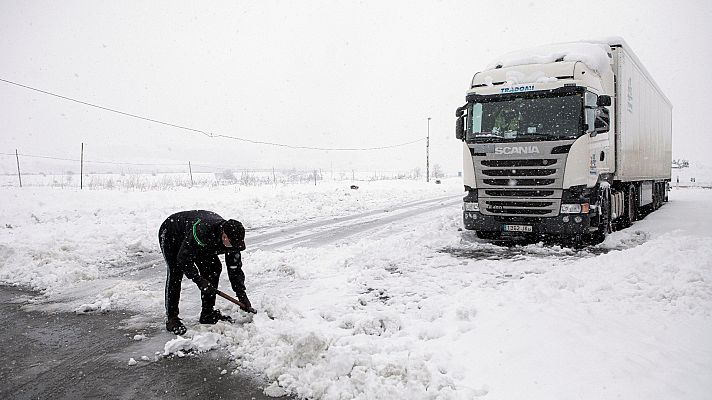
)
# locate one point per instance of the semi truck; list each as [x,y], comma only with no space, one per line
[570,141]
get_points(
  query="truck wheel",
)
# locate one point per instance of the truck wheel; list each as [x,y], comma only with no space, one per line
[604,218]
[661,194]
[666,187]
[630,210]
[656,198]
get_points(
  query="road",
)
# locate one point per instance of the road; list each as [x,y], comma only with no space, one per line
[66,355]
[70,356]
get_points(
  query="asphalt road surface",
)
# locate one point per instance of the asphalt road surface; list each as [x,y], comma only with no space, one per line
[71,356]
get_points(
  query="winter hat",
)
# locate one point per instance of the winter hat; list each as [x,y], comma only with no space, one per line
[234,231]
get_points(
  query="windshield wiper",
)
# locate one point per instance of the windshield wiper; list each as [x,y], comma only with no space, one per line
[487,139]
[532,136]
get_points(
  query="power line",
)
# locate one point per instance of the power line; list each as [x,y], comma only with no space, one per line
[208,134]
[89,161]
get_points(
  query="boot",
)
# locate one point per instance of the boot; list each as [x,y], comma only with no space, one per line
[174,325]
[211,317]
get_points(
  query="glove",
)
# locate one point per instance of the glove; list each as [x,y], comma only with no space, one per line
[205,286]
[242,296]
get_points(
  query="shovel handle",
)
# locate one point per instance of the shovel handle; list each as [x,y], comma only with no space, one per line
[242,306]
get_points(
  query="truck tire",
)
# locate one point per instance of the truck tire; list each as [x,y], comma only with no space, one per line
[630,209]
[661,194]
[656,197]
[604,219]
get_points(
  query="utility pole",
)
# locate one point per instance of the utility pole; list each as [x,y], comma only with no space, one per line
[19,176]
[427,154]
[81,169]
[190,171]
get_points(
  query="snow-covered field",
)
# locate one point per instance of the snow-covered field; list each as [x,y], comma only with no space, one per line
[411,309]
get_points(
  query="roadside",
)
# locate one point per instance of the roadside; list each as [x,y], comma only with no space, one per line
[67,355]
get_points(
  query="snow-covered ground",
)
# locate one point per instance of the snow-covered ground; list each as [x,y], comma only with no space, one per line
[696,175]
[409,309]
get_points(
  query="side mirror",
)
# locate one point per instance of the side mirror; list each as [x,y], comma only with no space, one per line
[460,128]
[604,100]
[460,122]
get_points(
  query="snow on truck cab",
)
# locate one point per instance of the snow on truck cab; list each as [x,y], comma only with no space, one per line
[570,140]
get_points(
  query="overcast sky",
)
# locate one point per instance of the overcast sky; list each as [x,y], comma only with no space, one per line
[328,74]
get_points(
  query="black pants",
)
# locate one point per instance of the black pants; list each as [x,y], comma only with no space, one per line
[209,267]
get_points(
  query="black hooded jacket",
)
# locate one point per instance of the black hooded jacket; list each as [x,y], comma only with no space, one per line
[196,236]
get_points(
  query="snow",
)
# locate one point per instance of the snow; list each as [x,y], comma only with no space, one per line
[102,305]
[594,55]
[412,309]
[199,343]
[698,174]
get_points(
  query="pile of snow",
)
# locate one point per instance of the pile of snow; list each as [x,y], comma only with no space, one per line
[396,316]
[199,343]
[102,305]
[594,55]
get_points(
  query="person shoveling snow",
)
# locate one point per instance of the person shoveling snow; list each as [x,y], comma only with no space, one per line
[191,242]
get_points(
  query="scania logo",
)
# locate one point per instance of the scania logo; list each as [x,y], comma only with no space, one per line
[516,150]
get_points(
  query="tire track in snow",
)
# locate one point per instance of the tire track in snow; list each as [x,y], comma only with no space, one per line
[322,233]
[319,233]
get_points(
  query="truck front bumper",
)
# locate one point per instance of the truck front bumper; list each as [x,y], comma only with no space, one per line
[561,225]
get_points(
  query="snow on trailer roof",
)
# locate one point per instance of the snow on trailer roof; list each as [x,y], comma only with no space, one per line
[594,54]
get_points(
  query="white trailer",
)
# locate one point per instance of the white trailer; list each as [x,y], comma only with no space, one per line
[570,140]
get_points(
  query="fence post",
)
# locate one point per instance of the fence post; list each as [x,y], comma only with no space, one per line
[81,169]
[190,170]
[19,177]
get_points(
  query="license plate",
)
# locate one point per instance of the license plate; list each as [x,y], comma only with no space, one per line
[516,228]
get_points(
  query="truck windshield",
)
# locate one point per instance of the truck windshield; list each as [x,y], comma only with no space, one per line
[526,119]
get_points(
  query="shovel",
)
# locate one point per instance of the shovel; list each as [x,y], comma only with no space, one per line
[242,306]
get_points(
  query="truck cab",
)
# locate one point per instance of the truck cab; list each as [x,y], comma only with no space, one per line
[539,146]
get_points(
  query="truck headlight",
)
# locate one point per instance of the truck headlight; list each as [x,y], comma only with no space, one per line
[574,208]
[471,206]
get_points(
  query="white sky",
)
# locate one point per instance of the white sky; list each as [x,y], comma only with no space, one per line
[323,74]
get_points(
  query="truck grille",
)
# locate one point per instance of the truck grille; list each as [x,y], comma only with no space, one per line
[515,186]
[518,182]
[518,163]
[518,207]
[519,172]
[519,193]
